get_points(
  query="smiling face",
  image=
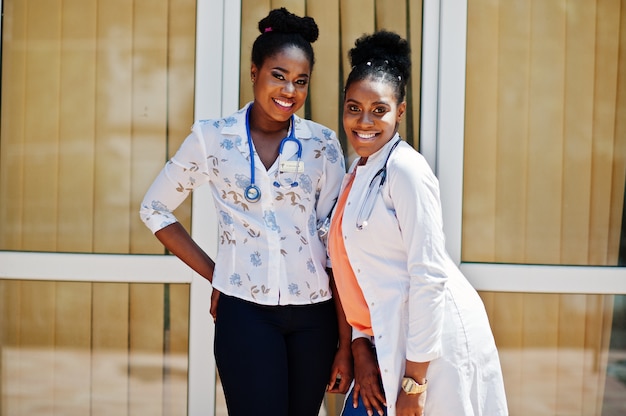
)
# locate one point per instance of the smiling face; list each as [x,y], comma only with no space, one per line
[370,115]
[281,84]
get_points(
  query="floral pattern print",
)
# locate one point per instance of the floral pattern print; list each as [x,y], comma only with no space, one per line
[269,251]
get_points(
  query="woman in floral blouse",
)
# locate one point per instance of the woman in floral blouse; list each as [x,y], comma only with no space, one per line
[279,341]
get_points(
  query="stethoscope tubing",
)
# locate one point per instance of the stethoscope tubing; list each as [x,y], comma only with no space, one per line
[368,202]
[252,193]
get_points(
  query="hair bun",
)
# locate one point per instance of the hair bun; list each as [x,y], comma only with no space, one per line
[282,21]
[382,45]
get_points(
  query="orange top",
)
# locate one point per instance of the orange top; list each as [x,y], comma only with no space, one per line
[352,299]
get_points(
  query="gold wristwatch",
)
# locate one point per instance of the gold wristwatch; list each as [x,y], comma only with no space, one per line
[411,386]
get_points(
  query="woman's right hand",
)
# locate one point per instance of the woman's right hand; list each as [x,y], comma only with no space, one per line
[367,377]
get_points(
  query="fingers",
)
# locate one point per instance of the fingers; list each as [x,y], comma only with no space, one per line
[374,402]
[215,295]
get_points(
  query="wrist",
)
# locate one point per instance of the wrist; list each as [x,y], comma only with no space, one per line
[412,386]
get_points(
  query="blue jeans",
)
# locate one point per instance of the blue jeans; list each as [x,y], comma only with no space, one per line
[274,360]
[360,410]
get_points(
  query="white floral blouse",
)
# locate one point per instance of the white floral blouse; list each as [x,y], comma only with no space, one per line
[269,251]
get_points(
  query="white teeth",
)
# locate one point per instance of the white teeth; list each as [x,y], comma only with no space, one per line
[283,103]
[366,136]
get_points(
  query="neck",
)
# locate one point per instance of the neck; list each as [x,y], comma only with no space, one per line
[260,122]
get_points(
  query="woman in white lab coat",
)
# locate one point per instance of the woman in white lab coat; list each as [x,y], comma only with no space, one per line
[422,343]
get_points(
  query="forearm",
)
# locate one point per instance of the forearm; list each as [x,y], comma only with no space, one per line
[345,330]
[417,371]
[178,241]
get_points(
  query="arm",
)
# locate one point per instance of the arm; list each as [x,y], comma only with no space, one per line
[342,371]
[413,404]
[178,241]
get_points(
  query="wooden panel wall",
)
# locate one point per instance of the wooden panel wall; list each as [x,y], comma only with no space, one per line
[95,97]
[544,157]
[75,348]
[544,183]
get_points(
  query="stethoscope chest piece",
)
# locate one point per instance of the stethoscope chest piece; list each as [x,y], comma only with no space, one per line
[252,193]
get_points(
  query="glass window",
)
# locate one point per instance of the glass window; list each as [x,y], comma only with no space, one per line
[545,132]
[79,348]
[94,97]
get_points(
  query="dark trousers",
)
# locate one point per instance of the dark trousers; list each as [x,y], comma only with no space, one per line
[274,360]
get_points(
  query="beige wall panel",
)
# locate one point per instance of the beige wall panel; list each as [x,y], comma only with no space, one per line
[72,349]
[178,342]
[604,128]
[12,126]
[392,15]
[598,322]
[9,341]
[252,12]
[180,95]
[481,121]
[512,132]
[414,95]
[177,347]
[326,85]
[545,137]
[357,17]
[146,349]
[572,376]
[619,168]
[507,320]
[603,305]
[41,128]
[110,349]
[77,126]
[578,134]
[539,346]
[113,127]
[294,6]
[36,341]
[149,108]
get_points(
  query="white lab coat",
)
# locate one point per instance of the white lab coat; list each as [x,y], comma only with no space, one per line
[422,308]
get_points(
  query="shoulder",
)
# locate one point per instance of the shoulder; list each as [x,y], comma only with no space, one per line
[221,125]
[323,137]
[314,130]
[407,165]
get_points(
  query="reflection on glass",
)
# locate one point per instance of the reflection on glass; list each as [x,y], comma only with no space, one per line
[614,403]
[93,348]
[567,352]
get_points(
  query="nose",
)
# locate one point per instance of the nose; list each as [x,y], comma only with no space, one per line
[289,88]
[366,118]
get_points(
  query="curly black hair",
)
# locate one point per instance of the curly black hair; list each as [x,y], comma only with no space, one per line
[281,29]
[381,55]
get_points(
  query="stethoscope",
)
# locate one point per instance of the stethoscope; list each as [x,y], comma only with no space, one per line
[252,193]
[376,183]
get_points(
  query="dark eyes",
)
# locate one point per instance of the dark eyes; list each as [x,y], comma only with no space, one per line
[377,110]
[281,77]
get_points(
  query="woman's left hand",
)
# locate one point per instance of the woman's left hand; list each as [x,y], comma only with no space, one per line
[410,404]
[342,371]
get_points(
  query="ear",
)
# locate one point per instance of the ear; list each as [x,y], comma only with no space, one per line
[401,111]
[253,72]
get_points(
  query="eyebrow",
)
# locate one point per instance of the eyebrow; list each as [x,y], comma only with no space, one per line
[351,100]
